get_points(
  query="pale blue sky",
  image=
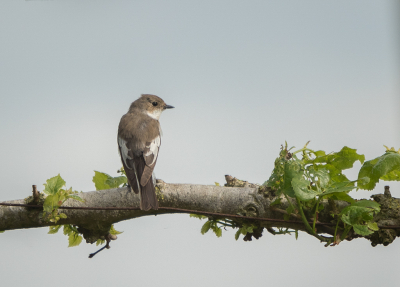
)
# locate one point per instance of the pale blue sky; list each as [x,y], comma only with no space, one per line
[244,77]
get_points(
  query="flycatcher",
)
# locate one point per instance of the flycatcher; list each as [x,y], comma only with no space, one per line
[139,140]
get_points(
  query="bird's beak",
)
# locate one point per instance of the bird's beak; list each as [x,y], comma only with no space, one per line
[168,107]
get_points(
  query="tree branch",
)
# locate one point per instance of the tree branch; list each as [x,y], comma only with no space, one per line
[250,200]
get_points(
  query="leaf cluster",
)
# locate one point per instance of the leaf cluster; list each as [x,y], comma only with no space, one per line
[315,175]
[247,230]
[56,196]
[359,215]
[74,237]
[310,176]
[215,225]
[102,181]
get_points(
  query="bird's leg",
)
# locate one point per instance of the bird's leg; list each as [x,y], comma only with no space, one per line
[129,187]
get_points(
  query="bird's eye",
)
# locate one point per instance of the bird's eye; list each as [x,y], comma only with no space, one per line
[154,104]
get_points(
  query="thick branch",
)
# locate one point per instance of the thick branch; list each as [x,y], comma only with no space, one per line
[247,201]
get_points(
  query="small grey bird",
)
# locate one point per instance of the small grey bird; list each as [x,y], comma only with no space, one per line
[139,140]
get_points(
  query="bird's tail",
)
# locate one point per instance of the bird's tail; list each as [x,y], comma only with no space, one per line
[148,198]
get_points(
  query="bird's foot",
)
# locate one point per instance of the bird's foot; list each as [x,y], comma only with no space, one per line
[129,188]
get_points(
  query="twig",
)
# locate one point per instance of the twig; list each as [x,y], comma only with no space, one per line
[91,255]
[35,192]
[308,227]
[108,238]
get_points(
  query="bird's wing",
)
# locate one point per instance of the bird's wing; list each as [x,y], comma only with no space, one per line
[130,165]
[125,153]
[150,154]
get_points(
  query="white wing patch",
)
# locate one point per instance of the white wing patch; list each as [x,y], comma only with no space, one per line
[153,149]
[124,151]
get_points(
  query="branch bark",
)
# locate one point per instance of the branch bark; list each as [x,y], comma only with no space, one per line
[250,200]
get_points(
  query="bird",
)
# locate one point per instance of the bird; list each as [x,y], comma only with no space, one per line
[139,141]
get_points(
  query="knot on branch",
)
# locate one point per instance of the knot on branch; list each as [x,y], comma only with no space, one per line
[92,235]
[251,210]
[266,191]
[389,215]
[37,198]
[257,233]
[390,208]
[234,182]
[383,236]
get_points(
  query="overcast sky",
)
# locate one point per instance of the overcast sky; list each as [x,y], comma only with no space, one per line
[244,77]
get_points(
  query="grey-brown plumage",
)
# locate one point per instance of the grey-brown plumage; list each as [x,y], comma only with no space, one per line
[139,140]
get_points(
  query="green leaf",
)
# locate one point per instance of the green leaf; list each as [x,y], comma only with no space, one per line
[218,231]
[74,239]
[199,216]
[105,181]
[363,180]
[368,203]
[54,229]
[291,170]
[205,227]
[344,159]
[73,228]
[217,184]
[356,214]
[113,231]
[335,163]
[51,202]
[100,241]
[385,167]
[319,153]
[346,219]
[338,187]
[388,163]
[250,229]
[237,234]
[366,171]
[373,226]
[53,185]
[392,176]
[296,234]
[323,177]
[362,229]
[100,179]
[62,215]
[114,182]
[67,229]
[343,196]
[302,190]
[318,175]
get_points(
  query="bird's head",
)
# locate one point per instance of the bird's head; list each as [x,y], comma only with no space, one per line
[152,105]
